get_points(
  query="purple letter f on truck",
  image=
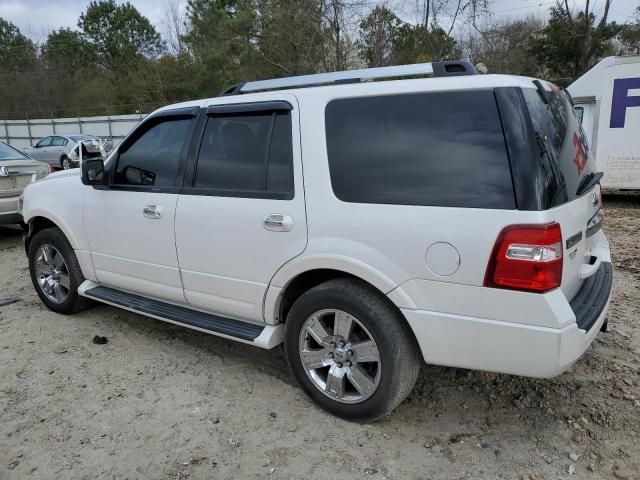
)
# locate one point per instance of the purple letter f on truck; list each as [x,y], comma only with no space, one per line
[621,100]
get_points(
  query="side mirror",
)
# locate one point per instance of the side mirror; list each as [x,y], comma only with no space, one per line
[93,172]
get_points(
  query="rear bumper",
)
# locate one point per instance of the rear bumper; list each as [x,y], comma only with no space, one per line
[515,348]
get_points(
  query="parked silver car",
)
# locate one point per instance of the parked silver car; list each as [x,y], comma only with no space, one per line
[17,171]
[57,150]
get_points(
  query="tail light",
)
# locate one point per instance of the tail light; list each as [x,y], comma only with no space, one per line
[526,257]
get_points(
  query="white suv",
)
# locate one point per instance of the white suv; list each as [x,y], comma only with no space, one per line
[368,226]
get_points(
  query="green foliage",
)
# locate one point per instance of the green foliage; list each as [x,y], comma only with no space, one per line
[379,35]
[289,37]
[504,47]
[117,61]
[630,36]
[222,41]
[421,44]
[17,52]
[67,49]
[568,47]
[119,33]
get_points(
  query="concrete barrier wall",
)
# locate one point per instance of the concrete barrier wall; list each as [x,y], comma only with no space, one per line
[24,133]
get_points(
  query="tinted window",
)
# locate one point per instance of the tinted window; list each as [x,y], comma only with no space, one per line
[444,149]
[153,159]
[45,142]
[58,142]
[563,148]
[247,153]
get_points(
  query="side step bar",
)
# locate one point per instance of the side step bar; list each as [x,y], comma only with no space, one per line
[265,336]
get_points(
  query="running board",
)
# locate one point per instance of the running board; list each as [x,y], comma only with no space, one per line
[264,336]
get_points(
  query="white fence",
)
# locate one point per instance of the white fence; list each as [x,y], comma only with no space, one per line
[24,133]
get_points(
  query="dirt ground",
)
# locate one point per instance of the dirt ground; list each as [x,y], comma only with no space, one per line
[159,401]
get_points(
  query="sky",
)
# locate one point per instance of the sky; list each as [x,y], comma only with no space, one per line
[36,18]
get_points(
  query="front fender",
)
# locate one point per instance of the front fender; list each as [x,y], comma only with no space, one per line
[59,201]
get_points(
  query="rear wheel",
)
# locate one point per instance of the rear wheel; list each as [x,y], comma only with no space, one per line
[55,271]
[351,350]
[65,163]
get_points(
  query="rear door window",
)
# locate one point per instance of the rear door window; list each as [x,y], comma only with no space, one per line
[564,151]
[247,155]
[442,149]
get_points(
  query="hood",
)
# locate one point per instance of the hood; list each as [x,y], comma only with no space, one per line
[73,172]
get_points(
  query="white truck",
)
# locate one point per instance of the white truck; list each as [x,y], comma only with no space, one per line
[607,101]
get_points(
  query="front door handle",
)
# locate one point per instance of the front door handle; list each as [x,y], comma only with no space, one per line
[276,222]
[153,212]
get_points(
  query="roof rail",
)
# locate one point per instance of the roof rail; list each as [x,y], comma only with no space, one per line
[437,69]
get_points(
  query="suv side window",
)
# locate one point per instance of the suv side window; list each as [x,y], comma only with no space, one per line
[441,149]
[247,155]
[154,158]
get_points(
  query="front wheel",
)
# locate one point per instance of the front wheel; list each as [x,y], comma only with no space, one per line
[351,350]
[55,271]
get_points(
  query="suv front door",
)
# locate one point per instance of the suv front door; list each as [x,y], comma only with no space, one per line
[130,224]
[241,213]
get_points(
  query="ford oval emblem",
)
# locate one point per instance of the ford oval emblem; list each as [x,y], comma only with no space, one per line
[595,201]
[4,172]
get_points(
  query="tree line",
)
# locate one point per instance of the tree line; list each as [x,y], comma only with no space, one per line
[117,62]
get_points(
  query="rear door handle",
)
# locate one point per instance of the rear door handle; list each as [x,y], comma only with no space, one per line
[153,212]
[276,222]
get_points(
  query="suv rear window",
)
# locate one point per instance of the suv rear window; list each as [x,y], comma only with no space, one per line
[441,149]
[564,152]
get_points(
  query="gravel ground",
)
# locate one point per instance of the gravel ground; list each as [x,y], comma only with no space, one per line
[159,401]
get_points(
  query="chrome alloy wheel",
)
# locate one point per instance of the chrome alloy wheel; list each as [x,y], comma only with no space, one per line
[66,163]
[52,273]
[340,356]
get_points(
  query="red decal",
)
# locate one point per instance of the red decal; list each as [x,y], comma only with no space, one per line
[581,159]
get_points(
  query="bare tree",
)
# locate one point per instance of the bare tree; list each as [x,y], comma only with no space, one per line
[175,26]
[592,34]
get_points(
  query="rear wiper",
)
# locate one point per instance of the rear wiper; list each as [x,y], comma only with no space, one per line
[588,181]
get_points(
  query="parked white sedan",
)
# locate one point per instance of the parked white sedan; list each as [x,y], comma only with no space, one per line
[57,150]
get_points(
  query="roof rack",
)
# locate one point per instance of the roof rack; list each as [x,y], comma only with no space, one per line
[437,69]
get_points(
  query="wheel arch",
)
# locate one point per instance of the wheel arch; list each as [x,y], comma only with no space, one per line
[41,221]
[291,281]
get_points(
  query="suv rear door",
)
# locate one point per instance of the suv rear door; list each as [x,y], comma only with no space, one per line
[241,212]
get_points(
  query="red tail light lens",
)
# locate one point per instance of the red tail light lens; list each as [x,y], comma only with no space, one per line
[526,257]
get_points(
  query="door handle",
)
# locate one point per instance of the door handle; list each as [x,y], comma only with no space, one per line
[153,212]
[276,222]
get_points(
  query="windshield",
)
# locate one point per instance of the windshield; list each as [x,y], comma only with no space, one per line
[564,151]
[9,153]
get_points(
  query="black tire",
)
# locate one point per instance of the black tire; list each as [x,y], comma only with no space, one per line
[53,236]
[398,350]
[62,163]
